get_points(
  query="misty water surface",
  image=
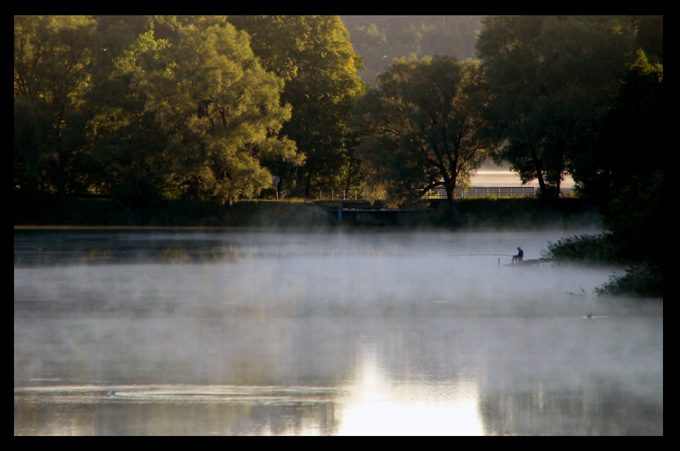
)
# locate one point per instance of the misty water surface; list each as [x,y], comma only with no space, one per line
[337,333]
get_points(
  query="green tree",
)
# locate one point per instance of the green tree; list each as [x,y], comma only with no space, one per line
[424,126]
[553,78]
[629,141]
[52,57]
[219,109]
[314,56]
[125,142]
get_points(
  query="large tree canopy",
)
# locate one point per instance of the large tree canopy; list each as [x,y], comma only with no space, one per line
[314,56]
[424,126]
[51,78]
[629,141]
[180,105]
[553,78]
[219,109]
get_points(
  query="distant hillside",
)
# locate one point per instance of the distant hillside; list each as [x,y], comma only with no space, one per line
[379,39]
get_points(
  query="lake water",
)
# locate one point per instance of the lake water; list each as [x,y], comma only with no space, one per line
[188,332]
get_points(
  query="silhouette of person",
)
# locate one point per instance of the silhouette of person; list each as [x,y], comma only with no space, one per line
[519,257]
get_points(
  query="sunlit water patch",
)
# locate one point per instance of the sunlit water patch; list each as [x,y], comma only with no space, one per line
[378,405]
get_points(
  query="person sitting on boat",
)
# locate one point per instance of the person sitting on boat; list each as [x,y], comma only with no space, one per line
[519,257]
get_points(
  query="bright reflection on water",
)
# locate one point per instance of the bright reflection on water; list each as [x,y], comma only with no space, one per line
[378,406]
[374,333]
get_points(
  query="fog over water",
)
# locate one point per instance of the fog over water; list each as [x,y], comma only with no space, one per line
[328,333]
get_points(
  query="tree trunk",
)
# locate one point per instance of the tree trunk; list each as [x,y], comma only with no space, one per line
[297,193]
[58,181]
[539,172]
[307,183]
[451,200]
[450,187]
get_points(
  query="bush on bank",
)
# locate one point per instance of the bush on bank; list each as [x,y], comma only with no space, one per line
[642,278]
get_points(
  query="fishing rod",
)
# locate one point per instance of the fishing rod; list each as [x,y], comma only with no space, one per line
[480,255]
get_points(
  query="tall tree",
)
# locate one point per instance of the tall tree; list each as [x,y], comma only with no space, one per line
[220,110]
[424,126]
[630,139]
[553,78]
[314,56]
[52,56]
[125,142]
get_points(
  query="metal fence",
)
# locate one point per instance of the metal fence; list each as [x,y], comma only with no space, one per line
[481,191]
[438,193]
[341,194]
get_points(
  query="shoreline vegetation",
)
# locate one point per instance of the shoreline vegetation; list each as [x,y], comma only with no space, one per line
[641,279]
[488,212]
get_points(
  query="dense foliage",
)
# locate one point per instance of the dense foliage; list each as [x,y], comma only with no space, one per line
[423,126]
[553,78]
[179,106]
[315,58]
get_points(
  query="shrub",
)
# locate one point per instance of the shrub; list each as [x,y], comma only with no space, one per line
[587,248]
[641,280]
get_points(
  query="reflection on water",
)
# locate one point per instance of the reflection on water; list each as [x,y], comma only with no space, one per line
[380,406]
[377,333]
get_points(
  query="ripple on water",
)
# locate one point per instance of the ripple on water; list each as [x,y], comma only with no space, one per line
[84,394]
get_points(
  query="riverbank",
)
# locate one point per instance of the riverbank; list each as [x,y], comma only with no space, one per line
[502,213]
